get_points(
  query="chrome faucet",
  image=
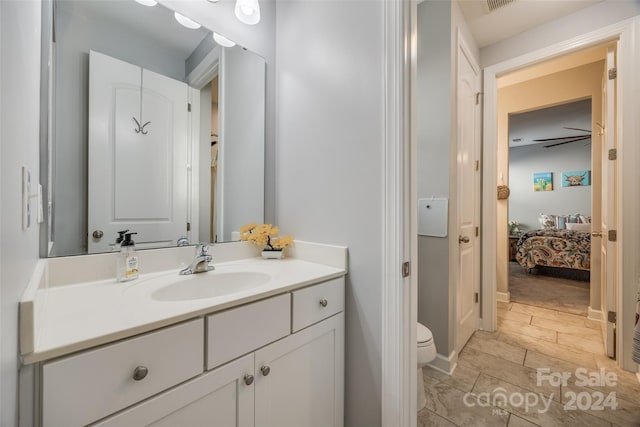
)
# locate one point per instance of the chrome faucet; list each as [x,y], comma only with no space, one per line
[201,262]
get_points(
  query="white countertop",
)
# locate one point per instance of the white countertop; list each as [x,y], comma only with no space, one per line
[74,317]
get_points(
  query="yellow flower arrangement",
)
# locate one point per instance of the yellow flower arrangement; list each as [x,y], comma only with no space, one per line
[265,235]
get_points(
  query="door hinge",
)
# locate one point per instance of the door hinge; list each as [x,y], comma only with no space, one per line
[613,154]
[188,226]
[612,316]
[477,231]
[612,235]
[406,269]
[477,165]
[477,297]
[478,95]
[188,106]
[613,73]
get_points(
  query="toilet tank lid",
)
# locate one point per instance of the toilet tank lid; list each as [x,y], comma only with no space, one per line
[424,334]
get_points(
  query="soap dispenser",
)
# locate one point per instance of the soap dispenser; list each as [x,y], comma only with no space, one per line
[127,263]
[119,240]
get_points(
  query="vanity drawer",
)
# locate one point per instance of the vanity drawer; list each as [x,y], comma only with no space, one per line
[241,330]
[312,304]
[83,388]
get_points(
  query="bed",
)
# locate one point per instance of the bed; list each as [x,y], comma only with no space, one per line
[569,249]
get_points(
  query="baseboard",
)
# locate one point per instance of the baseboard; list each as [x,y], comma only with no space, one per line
[445,364]
[503,296]
[594,314]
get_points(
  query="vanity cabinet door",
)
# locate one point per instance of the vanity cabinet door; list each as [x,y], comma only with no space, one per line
[222,397]
[300,379]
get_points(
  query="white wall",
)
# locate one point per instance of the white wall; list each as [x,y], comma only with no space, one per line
[19,118]
[525,204]
[585,20]
[330,80]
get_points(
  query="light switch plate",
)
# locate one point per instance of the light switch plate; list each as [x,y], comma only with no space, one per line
[26,190]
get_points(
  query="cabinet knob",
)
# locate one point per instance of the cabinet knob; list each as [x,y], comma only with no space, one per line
[265,370]
[248,379]
[140,373]
[324,302]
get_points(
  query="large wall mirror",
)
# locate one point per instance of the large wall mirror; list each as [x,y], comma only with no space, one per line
[152,127]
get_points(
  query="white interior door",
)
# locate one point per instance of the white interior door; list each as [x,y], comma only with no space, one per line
[605,239]
[138,136]
[468,198]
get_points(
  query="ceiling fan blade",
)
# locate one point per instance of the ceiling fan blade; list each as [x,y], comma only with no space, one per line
[584,130]
[560,137]
[567,142]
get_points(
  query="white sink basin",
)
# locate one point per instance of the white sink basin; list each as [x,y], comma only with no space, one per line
[210,285]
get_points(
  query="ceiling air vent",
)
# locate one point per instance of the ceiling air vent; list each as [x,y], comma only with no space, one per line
[492,5]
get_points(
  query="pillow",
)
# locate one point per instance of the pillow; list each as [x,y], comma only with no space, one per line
[584,219]
[578,227]
[547,222]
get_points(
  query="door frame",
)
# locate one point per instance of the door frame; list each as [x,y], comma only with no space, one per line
[399,306]
[628,130]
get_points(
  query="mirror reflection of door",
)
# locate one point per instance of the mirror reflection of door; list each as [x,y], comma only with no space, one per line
[138,136]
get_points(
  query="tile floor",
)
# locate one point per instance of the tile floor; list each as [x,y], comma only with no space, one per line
[496,382]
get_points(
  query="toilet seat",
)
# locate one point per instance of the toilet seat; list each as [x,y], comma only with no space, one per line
[425,337]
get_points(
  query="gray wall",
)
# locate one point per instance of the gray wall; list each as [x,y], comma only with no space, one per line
[525,204]
[241,103]
[19,117]
[75,35]
[434,150]
[330,158]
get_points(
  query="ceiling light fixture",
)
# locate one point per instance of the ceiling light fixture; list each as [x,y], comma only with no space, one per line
[223,41]
[248,11]
[147,2]
[213,1]
[186,22]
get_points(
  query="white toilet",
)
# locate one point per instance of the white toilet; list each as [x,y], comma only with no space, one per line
[426,353]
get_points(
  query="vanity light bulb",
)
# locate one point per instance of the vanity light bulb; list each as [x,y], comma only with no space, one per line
[147,2]
[186,22]
[248,11]
[223,41]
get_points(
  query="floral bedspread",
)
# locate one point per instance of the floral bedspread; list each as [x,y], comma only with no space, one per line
[555,248]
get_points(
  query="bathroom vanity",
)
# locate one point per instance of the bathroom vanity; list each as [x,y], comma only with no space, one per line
[266,353]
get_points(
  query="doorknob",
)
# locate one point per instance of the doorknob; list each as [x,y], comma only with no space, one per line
[463,239]
[97,234]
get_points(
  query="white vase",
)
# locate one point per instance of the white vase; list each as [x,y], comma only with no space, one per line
[273,254]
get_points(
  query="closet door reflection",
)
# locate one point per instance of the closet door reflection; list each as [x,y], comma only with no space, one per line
[138,136]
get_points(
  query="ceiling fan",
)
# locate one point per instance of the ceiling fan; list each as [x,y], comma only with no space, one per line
[566,139]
